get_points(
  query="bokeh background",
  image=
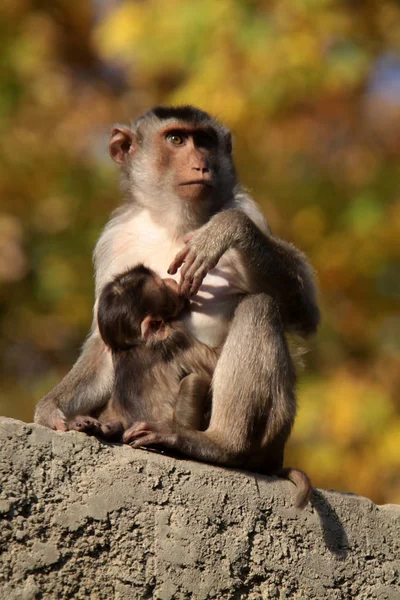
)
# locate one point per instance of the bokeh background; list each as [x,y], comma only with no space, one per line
[311,89]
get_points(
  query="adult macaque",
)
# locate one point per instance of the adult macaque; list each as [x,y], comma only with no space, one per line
[162,372]
[247,289]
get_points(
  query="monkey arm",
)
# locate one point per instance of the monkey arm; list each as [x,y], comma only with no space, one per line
[83,390]
[191,404]
[277,268]
[271,266]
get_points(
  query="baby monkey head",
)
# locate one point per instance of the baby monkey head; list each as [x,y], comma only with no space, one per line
[136,307]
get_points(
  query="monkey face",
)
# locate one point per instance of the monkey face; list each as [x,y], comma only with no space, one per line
[177,162]
[178,302]
[162,297]
[188,157]
[178,158]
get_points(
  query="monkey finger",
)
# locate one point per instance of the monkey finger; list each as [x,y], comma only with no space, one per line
[190,267]
[189,236]
[155,438]
[198,280]
[178,260]
[148,449]
[87,425]
[92,425]
[133,436]
[190,259]
[135,430]
[146,440]
[187,278]
[112,430]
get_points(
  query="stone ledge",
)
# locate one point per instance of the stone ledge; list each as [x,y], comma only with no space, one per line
[85,519]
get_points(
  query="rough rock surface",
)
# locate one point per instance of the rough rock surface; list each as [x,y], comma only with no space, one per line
[84,519]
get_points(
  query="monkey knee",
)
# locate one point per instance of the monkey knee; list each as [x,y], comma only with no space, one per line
[258,312]
[258,304]
[49,415]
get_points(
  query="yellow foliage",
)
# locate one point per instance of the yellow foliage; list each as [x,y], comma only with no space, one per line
[118,35]
[309,225]
[335,252]
[388,447]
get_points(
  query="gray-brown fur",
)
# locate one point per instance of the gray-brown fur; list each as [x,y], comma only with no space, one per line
[159,384]
[268,290]
[161,371]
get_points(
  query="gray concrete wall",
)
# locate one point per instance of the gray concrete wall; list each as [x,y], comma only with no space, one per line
[83,519]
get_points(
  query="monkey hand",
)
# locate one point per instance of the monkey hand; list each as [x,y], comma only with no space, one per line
[151,433]
[205,247]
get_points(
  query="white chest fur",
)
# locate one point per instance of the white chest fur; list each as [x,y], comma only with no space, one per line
[128,242]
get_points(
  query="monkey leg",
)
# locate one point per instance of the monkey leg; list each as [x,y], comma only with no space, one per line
[191,404]
[47,413]
[253,404]
[83,390]
[189,414]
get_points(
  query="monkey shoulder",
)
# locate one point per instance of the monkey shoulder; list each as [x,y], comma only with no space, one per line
[245,203]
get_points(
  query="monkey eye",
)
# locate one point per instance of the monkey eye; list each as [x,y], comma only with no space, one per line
[205,140]
[175,139]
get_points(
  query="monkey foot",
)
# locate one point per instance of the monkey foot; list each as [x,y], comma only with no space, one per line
[111,430]
[60,423]
[150,433]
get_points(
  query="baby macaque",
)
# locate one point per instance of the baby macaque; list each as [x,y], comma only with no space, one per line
[162,372]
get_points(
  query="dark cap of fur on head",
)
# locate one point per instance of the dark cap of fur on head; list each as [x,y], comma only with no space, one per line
[185,113]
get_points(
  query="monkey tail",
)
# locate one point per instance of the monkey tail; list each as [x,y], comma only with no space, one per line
[297,351]
[301,481]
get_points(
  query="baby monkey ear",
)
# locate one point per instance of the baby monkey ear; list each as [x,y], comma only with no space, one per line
[153,330]
[122,143]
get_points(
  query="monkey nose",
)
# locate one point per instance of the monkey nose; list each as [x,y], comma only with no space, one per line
[172,284]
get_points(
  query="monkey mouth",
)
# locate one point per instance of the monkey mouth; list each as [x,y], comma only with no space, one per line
[204,182]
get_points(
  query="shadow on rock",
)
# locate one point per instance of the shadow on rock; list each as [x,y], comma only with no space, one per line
[335,536]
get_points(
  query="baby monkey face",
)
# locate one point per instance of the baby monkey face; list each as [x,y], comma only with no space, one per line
[163,297]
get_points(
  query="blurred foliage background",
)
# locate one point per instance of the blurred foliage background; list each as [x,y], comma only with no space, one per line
[311,89]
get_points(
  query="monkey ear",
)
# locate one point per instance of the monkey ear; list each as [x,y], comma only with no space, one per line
[153,329]
[121,144]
